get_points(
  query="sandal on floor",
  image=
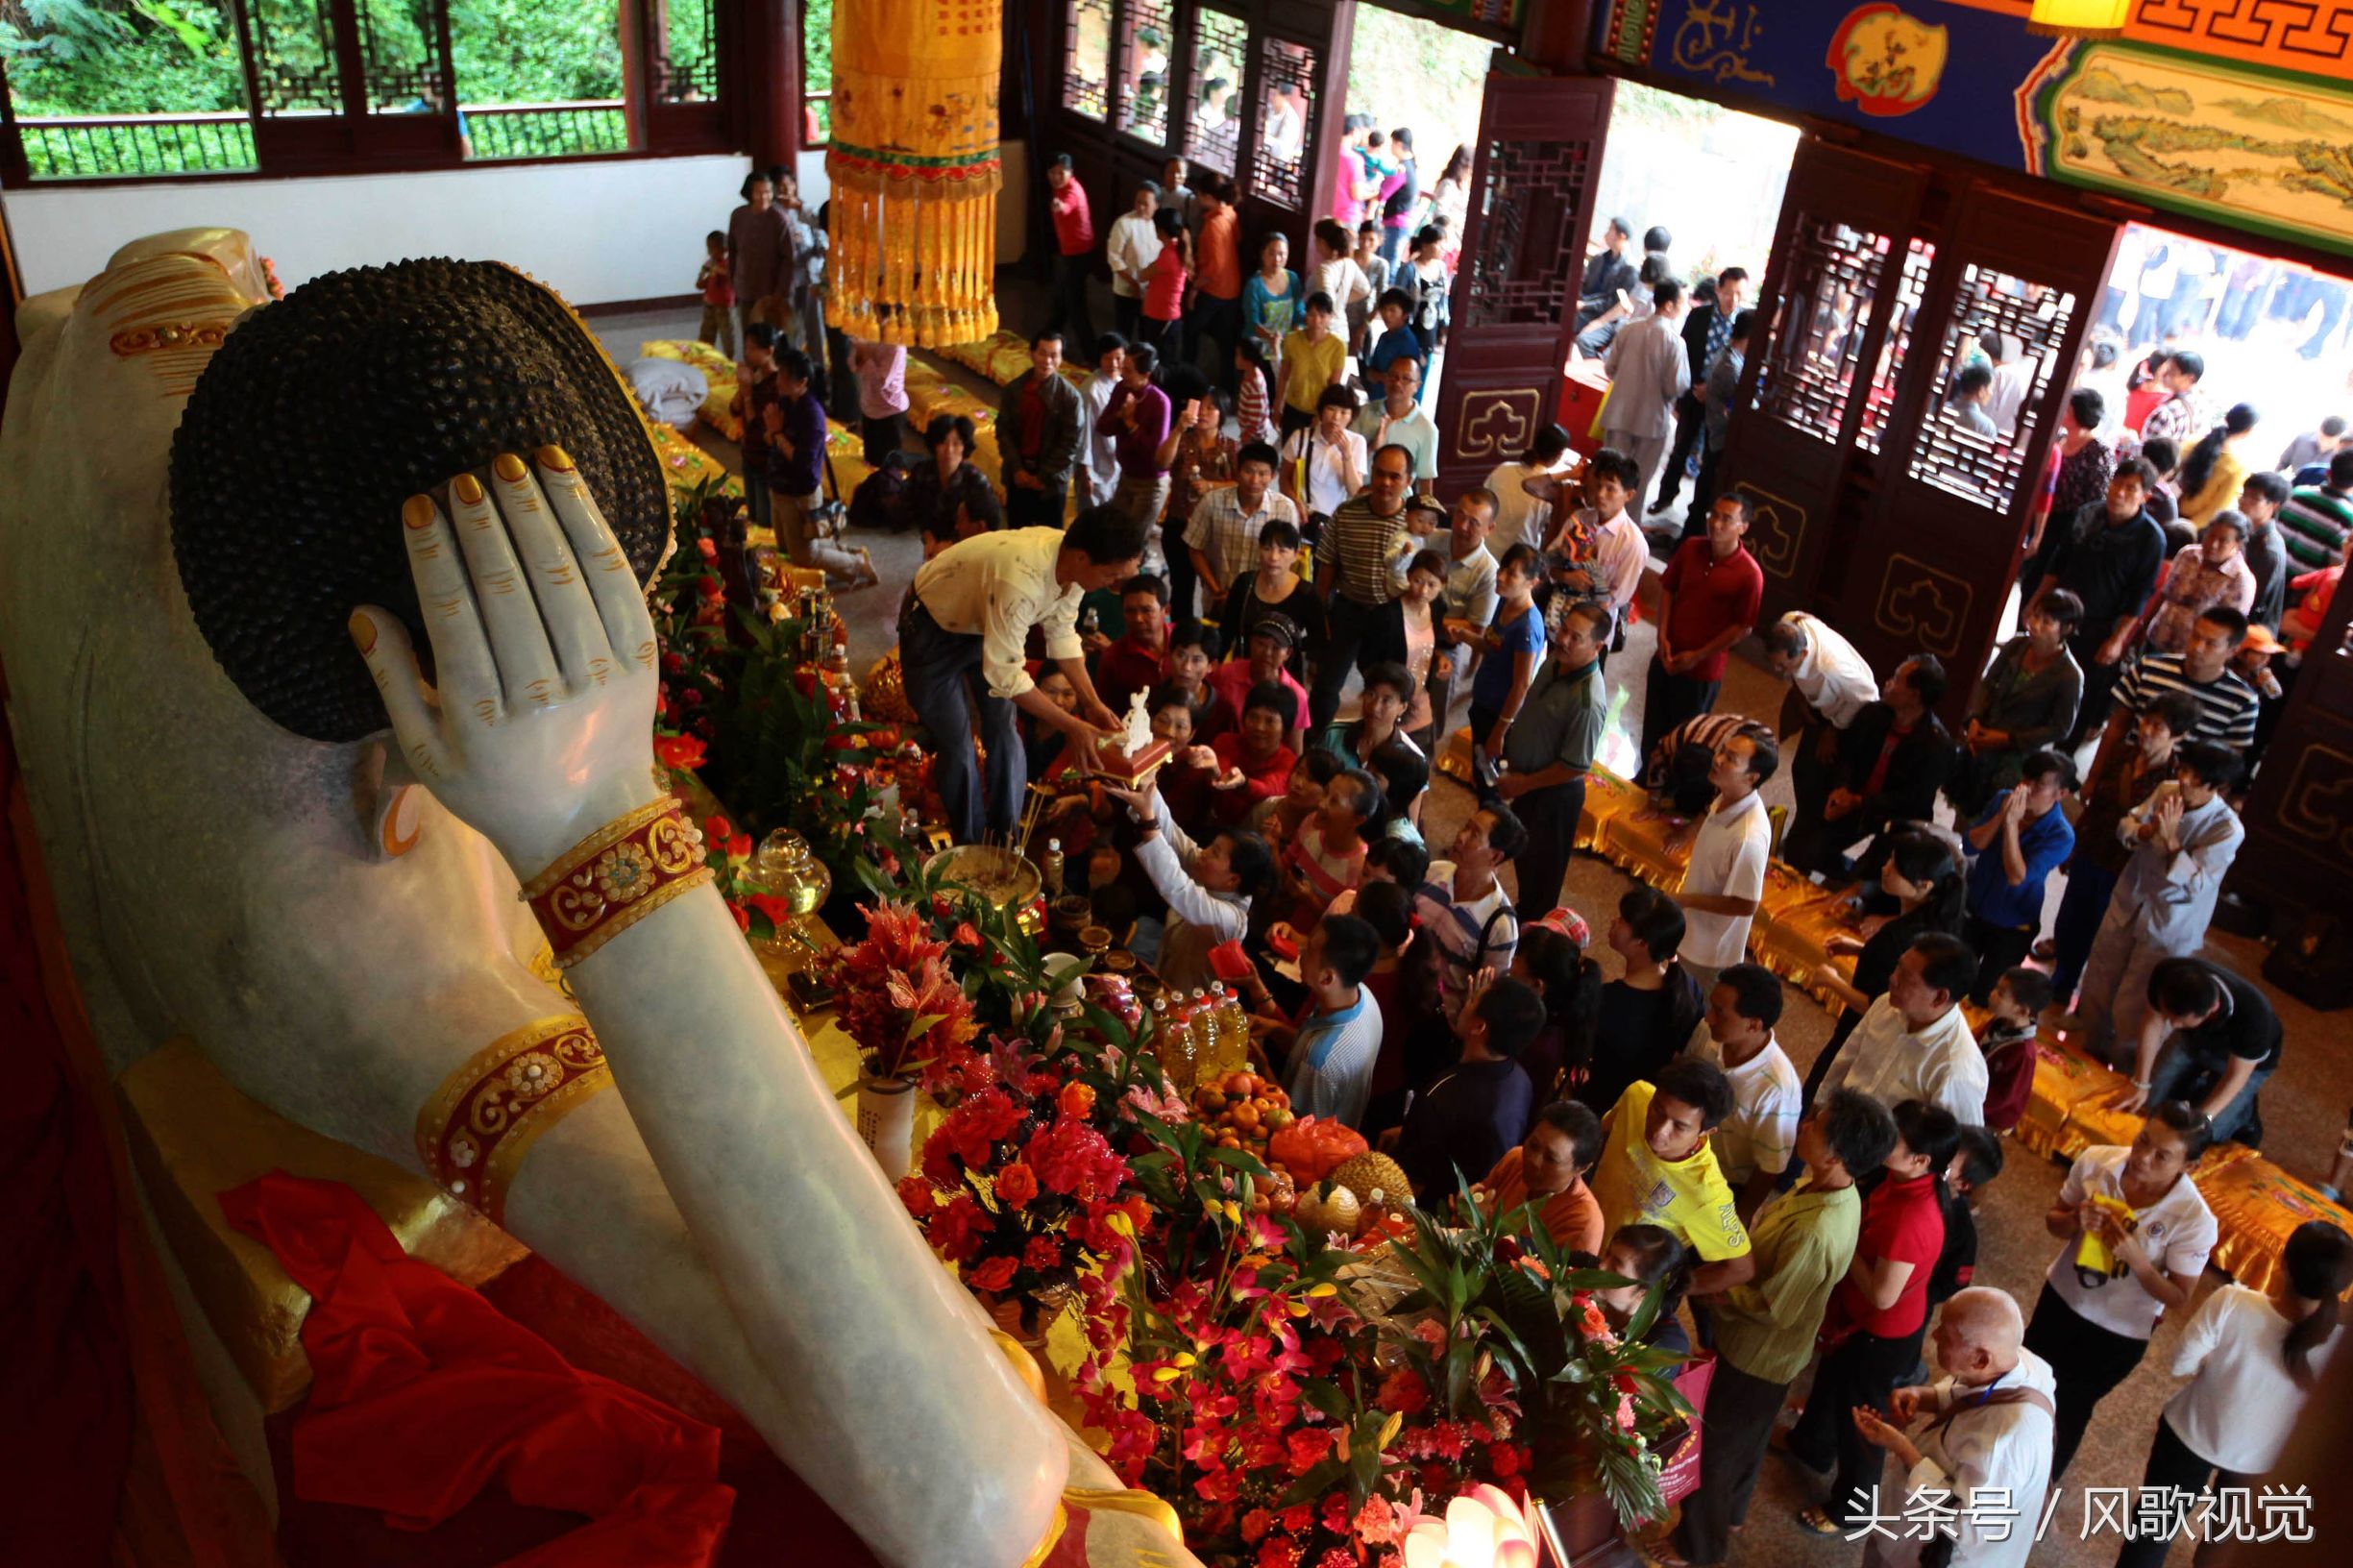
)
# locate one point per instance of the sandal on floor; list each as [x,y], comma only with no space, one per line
[1818,1520]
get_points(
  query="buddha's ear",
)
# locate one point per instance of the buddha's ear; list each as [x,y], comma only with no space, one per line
[387,802]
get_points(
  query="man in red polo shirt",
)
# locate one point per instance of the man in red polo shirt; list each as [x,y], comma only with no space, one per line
[1708,602]
[1876,1315]
[1074,243]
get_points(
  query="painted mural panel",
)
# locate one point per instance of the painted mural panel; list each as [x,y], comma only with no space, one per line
[2230,123]
[2242,145]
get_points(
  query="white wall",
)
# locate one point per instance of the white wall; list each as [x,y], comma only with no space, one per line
[595,232]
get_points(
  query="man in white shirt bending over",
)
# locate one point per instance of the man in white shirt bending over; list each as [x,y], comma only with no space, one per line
[1829,683]
[968,619]
[1729,849]
[1914,1044]
[1985,1452]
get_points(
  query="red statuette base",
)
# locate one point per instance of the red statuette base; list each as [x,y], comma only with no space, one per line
[1130,771]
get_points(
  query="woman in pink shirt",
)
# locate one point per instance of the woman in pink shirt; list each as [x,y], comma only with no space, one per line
[1164,287]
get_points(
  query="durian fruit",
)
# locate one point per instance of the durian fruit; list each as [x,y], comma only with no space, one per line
[1367,1173]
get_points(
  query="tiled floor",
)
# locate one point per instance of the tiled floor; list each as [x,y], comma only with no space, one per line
[2302,1104]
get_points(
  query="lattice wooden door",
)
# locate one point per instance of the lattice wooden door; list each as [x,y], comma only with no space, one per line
[1523,254]
[2014,285]
[1843,280]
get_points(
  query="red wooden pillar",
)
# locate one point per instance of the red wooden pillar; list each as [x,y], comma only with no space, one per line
[768,38]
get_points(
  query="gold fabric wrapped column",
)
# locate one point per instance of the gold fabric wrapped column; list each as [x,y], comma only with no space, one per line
[915,171]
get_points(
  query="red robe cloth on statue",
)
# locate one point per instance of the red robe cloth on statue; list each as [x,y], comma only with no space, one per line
[423,1393]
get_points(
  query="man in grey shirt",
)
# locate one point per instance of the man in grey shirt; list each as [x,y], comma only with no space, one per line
[1549,750]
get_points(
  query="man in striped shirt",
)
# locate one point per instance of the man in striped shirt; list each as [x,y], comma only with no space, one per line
[1360,571]
[2226,705]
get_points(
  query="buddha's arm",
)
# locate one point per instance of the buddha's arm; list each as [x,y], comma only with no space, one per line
[543,735]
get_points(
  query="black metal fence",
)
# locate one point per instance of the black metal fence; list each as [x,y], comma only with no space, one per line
[113,147]
[546,130]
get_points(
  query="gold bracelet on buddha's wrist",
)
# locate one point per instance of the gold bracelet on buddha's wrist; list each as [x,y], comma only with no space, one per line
[615,877]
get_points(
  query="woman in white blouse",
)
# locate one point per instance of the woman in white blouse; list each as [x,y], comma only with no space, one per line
[2093,1323]
[2255,1361]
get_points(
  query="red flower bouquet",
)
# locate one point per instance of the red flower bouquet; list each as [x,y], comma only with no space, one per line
[1021,1189]
[902,1005]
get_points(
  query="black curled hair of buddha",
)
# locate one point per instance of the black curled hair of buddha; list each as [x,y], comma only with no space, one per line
[322,413]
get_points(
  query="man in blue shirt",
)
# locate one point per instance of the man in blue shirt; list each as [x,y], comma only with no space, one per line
[1330,1069]
[2021,840]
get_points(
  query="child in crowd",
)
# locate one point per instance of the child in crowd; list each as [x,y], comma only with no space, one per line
[1395,340]
[1254,414]
[755,388]
[1511,649]
[2018,1000]
[1324,858]
[1302,797]
[1404,861]
[718,290]
[1976,1162]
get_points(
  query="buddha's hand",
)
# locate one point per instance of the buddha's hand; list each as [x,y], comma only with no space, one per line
[541,728]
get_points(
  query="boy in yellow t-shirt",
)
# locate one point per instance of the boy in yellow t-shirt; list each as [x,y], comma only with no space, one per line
[1658,1168]
[1314,359]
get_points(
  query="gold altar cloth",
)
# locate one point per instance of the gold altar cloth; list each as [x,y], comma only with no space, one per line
[193,1137]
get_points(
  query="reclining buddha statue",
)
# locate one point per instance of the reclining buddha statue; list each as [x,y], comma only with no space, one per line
[326,637]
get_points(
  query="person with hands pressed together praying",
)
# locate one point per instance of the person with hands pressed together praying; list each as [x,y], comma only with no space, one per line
[1986,1449]
[1459,1128]
[969,616]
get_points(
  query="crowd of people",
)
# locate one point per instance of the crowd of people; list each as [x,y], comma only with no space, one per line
[1435,992]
